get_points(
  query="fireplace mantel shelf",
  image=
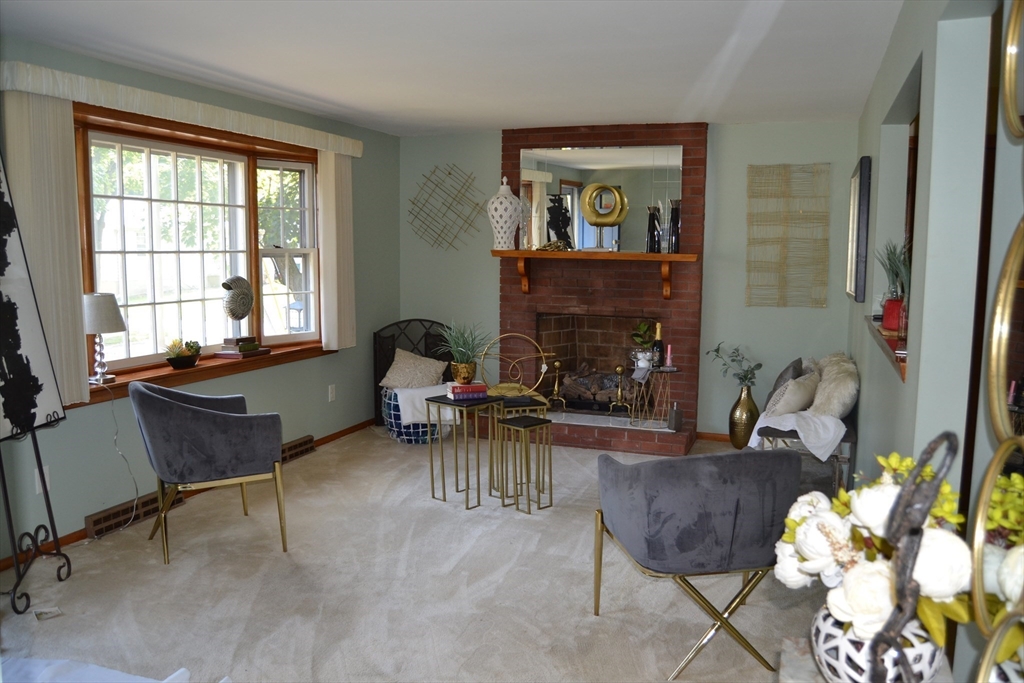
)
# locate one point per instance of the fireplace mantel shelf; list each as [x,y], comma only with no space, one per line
[523,262]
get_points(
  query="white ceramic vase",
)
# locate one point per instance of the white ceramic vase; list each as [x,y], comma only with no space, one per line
[842,658]
[504,210]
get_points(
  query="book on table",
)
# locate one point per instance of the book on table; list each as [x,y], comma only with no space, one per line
[242,354]
[471,388]
[467,397]
[238,348]
[235,341]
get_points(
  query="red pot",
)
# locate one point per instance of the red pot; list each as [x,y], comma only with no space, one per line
[891,309]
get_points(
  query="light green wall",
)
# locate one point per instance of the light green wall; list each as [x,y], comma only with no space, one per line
[86,472]
[459,284]
[771,336]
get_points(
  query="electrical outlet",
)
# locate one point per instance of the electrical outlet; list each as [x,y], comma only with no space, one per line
[46,473]
[330,393]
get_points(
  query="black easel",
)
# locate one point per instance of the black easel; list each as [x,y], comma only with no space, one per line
[31,542]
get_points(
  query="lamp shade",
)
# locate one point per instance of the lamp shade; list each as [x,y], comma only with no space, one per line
[102,314]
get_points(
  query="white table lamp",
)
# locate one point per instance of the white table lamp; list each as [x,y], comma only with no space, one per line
[102,315]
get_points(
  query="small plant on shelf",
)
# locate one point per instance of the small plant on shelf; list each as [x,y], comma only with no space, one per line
[178,348]
[743,369]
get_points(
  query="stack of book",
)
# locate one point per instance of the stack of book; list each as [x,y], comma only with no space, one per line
[240,347]
[467,392]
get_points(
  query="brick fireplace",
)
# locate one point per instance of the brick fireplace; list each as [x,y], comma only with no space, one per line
[618,290]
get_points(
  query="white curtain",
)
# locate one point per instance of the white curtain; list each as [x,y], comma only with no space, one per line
[39,139]
[337,265]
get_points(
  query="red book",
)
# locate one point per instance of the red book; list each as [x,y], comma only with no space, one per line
[474,388]
[468,397]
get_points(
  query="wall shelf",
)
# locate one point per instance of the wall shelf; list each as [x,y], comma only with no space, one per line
[523,258]
[898,364]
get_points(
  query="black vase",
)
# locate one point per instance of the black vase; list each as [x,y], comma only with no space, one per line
[653,230]
[673,227]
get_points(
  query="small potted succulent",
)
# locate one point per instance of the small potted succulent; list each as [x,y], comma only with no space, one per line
[182,355]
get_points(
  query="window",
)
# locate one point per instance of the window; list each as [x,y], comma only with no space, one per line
[167,222]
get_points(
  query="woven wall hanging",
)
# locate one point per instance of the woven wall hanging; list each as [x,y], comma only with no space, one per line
[787,235]
[446,207]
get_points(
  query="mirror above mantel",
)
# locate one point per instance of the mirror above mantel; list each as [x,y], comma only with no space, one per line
[633,177]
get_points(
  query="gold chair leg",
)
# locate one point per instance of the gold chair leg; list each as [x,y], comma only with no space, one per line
[162,520]
[159,506]
[279,486]
[721,620]
[598,557]
[245,500]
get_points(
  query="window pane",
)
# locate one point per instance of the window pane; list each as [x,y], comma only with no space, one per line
[168,325]
[291,188]
[162,167]
[165,275]
[192,321]
[109,275]
[236,265]
[133,165]
[272,274]
[270,228]
[113,346]
[235,231]
[298,273]
[213,233]
[140,331]
[188,227]
[106,224]
[234,182]
[268,186]
[103,161]
[275,314]
[136,225]
[166,239]
[138,269]
[211,181]
[188,178]
[298,314]
[214,267]
[217,322]
[291,226]
[191,276]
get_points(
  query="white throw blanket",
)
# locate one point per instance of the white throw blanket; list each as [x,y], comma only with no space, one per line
[819,433]
[412,403]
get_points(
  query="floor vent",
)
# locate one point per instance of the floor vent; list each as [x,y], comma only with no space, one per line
[113,518]
[297,448]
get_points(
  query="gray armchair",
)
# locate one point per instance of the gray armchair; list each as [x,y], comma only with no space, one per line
[198,442]
[699,514]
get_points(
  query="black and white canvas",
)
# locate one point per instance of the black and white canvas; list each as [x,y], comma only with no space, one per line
[29,397]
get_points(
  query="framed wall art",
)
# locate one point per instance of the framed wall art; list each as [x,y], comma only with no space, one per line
[857,254]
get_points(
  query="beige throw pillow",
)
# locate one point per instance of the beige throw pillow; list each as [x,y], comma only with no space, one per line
[410,371]
[793,396]
[840,384]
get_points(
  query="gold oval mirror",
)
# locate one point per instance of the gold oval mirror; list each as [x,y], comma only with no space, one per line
[1011,57]
[1010,452]
[999,345]
[613,214]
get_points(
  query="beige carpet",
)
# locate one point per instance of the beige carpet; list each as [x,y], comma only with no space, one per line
[381,583]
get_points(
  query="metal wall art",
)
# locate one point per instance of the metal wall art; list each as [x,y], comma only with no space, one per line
[446,207]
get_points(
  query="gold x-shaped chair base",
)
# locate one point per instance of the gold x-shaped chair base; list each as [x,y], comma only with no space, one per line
[165,494]
[721,619]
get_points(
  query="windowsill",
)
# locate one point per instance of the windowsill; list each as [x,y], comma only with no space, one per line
[209,367]
[899,363]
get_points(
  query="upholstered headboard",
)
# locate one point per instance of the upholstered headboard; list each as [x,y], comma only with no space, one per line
[417,335]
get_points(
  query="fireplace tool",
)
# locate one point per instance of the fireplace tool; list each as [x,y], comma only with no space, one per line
[619,369]
[557,389]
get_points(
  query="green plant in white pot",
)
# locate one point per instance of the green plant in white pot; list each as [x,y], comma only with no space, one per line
[465,343]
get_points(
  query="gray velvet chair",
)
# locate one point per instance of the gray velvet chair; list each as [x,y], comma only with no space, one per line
[700,514]
[198,442]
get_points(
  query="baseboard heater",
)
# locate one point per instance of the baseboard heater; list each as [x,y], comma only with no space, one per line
[113,518]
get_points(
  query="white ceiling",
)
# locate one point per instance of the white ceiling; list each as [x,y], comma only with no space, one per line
[440,66]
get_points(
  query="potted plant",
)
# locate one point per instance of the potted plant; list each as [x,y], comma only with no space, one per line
[182,355]
[643,336]
[744,412]
[465,343]
[895,261]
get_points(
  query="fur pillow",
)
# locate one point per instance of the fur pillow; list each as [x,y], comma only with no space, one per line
[793,396]
[410,371]
[840,384]
[791,371]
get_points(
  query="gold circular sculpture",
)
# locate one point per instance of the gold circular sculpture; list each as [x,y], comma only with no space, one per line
[999,345]
[1011,56]
[516,366]
[588,203]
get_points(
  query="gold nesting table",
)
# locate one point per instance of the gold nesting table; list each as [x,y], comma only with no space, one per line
[490,406]
[526,435]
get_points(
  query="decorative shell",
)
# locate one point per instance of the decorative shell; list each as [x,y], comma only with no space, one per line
[239,299]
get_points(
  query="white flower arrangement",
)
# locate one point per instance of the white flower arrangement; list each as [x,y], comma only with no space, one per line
[843,542]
